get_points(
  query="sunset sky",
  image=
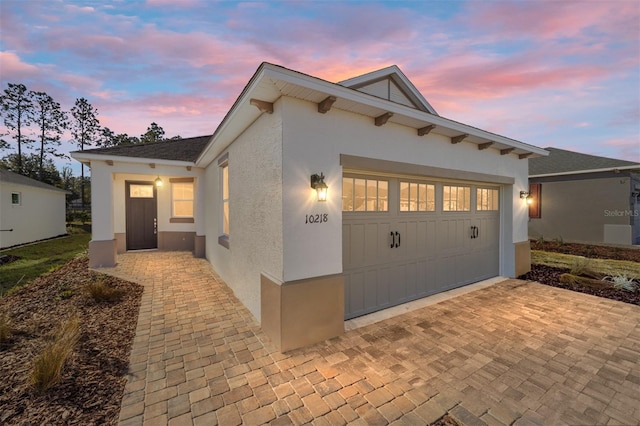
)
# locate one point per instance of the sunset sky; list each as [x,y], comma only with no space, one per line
[564,74]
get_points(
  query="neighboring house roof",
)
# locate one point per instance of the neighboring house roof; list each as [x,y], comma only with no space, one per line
[186,149]
[561,161]
[10,177]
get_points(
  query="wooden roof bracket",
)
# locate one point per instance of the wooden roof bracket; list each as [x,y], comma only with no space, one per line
[525,155]
[109,162]
[425,130]
[506,151]
[263,106]
[459,138]
[381,120]
[325,105]
[484,145]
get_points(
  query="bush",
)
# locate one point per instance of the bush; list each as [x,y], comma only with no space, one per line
[47,368]
[622,282]
[101,292]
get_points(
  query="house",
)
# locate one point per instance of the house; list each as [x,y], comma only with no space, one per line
[29,210]
[319,201]
[584,198]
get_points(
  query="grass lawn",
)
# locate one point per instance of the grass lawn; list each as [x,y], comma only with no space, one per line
[605,266]
[36,259]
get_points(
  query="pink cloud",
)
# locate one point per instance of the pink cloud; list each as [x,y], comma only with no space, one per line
[13,68]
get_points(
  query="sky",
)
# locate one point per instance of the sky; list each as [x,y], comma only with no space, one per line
[562,74]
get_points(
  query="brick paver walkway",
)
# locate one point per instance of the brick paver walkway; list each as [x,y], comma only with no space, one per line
[514,353]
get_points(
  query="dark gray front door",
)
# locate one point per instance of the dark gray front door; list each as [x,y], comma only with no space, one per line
[141,211]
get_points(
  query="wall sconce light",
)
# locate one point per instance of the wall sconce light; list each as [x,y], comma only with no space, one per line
[524,195]
[317,183]
[158,182]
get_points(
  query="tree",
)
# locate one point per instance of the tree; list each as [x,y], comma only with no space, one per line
[109,138]
[85,128]
[17,109]
[154,133]
[52,121]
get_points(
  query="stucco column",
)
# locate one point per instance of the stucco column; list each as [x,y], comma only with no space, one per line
[102,248]
[199,249]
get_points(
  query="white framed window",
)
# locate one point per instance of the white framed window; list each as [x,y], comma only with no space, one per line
[364,195]
[182,199]
[225,218]
[417,197]
[140,191]
[456,198]
[16,199]
[487,199]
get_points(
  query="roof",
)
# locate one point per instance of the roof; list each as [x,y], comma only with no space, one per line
[396,77]
[561,161]
[15,178]
[271,82]
[187,149]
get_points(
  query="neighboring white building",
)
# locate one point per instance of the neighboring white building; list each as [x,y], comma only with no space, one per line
[29,210]
[416,203]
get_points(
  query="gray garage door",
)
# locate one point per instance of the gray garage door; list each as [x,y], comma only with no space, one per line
[407,238]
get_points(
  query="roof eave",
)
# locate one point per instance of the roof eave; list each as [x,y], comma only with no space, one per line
[579,172]
[87,158]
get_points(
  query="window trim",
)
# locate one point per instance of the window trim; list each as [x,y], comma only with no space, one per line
[182,219]
[367,179]
[444,203]
[417,182]
[19,194]
[484,188]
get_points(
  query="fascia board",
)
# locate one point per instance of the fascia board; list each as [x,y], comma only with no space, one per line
[580,172]
[84,158]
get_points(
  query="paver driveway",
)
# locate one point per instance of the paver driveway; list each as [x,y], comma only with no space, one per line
[513,353]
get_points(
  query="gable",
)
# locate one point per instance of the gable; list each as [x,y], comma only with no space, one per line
[390,84]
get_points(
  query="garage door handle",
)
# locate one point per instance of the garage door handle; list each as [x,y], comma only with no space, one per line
[393,240]
[474,229]
[398,243]
[477,231]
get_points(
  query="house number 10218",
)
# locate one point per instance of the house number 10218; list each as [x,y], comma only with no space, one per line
[316,218]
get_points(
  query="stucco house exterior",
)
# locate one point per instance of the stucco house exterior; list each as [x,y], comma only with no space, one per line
[317,201]
[30,210]
[584,198]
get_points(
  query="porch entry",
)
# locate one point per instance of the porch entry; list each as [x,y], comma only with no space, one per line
[141,215]
[406,238]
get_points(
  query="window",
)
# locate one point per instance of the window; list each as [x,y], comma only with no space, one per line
[16,198]
[140,191]
[225,220]
[182,197]
[535,205]
[456,198]
[365,195]
[486,199]
[417,197]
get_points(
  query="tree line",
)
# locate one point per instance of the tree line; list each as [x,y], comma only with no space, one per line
[35,124]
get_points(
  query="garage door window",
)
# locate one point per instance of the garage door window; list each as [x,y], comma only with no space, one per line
[417,197]
[486,199]
[456,198]
[365,195]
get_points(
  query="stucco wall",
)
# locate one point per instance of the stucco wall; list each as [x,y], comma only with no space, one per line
[255,190]
[41,214]
[577,210]
[313,142]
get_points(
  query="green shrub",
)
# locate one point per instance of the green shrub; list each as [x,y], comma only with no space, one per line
[47,367]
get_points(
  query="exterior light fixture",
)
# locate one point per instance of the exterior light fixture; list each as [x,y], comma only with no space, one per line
[158,182]
[524,195]
[317,183]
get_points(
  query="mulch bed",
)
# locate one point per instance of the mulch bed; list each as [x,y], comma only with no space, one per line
[93,379]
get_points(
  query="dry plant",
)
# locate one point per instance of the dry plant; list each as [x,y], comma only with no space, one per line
[102,292]
[47,367]
[5,328]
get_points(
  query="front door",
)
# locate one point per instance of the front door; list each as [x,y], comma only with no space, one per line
[142,218]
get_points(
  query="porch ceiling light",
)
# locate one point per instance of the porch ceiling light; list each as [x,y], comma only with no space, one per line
[158,182]
[317,183]
[524,195]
